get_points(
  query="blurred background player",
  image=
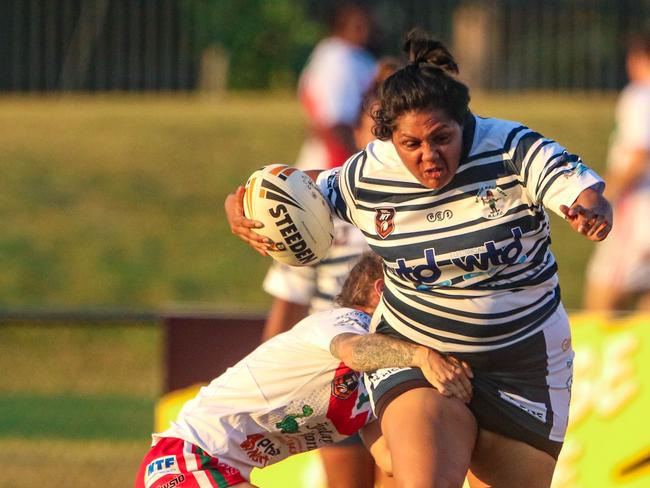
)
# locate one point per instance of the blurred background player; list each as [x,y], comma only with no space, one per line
[339,70]
[620,268]
[331,87]
[299,291]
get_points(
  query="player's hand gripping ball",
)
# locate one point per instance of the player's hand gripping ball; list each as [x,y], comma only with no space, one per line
[295,215]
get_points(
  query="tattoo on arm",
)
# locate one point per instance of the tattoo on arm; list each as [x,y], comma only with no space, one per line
[368,352]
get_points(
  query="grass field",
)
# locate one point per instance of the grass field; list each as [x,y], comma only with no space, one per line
[76,402]
[117,202]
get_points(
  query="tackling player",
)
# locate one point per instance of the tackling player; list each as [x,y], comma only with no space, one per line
[294,393]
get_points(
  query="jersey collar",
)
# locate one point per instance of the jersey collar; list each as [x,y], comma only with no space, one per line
[469,128]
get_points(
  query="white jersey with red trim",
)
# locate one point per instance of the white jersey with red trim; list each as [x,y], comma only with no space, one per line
[622,261]
[288,396]
[331,90]
[334,80]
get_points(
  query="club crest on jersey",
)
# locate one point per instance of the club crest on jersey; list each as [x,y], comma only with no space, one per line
[384,221]
[343,386]
[492,197]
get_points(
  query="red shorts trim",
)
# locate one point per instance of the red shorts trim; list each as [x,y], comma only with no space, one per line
[177,463]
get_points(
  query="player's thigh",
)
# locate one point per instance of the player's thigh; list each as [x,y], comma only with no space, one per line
[376,443]
[501,462]
[348,466]
[430,437]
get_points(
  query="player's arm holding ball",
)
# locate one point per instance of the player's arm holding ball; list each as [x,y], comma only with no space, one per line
[287,204]
[243,227]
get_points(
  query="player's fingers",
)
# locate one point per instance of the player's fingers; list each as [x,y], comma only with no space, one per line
[457,382]
[467,369]
[466,385]
[444,390]
[574,212]
[604,232]
[596,225]
[250,236]
[459,391]
[248,223]
[584,219]
[254,239]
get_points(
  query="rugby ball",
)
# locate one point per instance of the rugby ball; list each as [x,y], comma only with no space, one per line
[295,215]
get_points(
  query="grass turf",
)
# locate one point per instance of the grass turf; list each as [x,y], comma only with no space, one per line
[118,201]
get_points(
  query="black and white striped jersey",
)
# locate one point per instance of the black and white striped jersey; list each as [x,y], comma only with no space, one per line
[468,267]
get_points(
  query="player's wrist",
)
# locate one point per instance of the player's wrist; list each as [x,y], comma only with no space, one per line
[420,356]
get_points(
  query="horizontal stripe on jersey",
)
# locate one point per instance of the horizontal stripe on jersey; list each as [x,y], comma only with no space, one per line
[468,266]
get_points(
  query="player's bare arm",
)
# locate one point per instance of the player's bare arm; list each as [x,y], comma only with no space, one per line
[368,352]
[590,215]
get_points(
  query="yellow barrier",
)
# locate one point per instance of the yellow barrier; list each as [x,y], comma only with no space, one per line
[608,441]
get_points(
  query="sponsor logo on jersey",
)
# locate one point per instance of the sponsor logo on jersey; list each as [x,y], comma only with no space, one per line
[535,409]
[357,318]
[161,466]
[492,198]
[380,375]
[292,237]
[174,482]
[259,449]
[429,272]
[319,434]
[384,221]
[440,215]
[343,386]
[289,424]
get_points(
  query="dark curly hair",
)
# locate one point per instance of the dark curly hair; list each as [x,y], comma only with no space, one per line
[427,82]
[356,290]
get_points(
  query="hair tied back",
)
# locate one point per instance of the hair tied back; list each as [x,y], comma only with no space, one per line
[422,50]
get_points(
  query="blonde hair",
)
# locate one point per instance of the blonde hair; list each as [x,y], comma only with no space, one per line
[359,284]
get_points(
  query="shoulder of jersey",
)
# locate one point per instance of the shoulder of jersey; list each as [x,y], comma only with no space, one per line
[351,317]
[492,133]
[295,215]
[381,157]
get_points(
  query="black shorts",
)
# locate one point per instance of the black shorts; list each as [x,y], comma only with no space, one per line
[520,391]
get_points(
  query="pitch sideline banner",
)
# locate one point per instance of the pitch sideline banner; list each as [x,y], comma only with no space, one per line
[608,441]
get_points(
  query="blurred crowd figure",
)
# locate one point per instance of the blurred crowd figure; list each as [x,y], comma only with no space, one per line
[619,272]
[332,84]
[340,78]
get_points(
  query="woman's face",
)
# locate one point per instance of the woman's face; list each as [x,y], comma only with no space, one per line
[429,144]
